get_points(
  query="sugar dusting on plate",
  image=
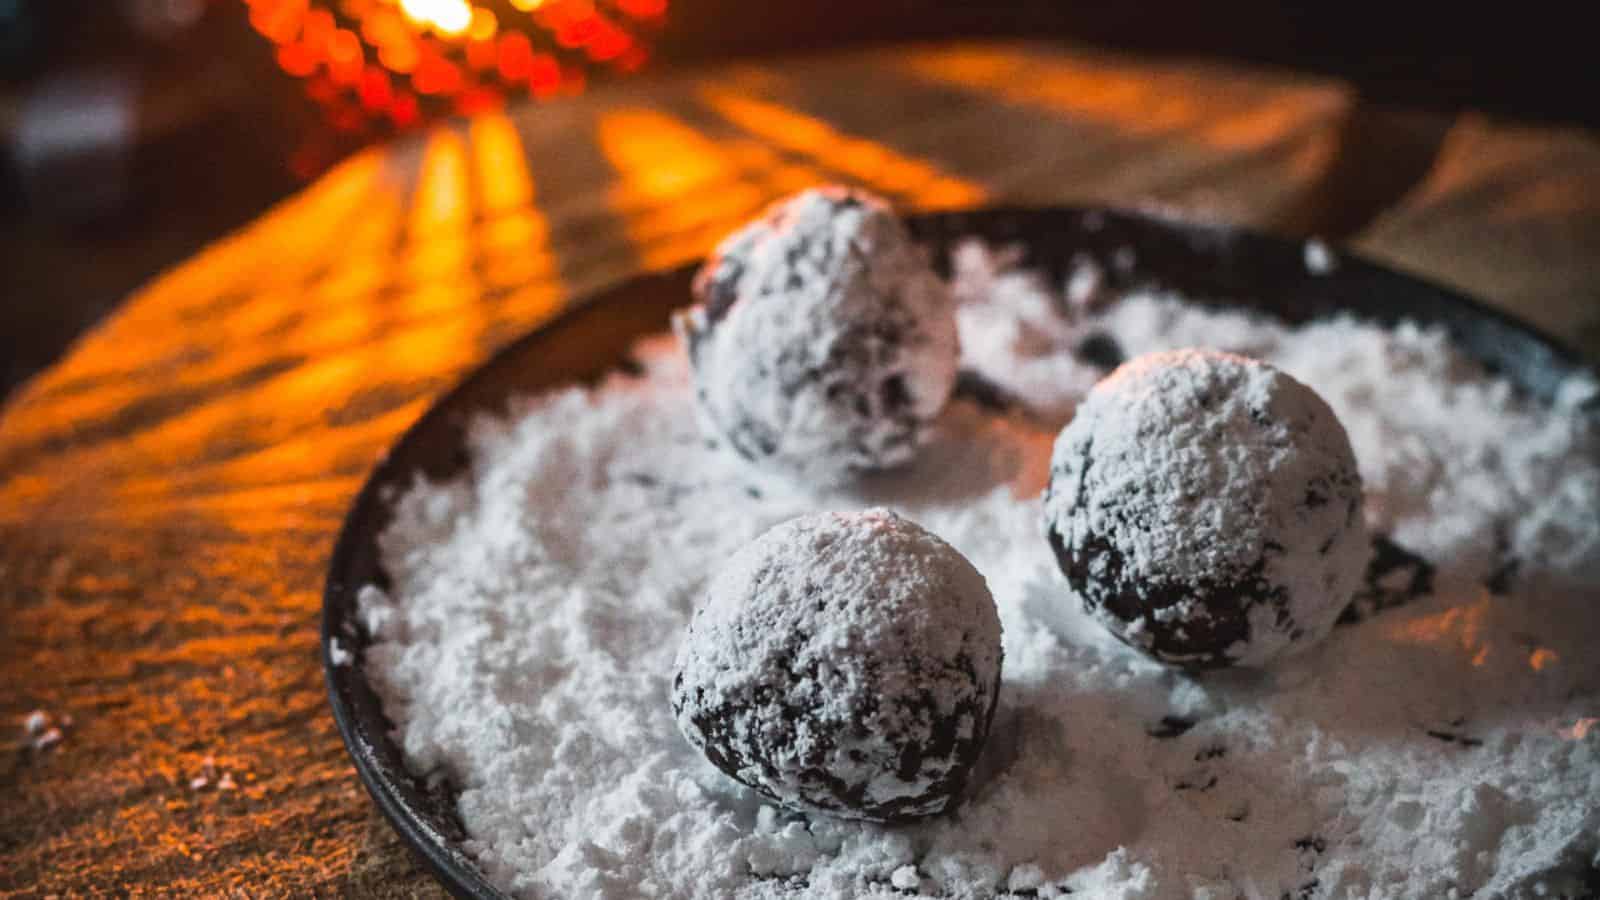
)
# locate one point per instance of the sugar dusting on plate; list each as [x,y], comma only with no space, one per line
[1444,746]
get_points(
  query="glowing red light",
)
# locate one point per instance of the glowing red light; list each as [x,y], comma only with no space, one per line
[404,112]
[437,75]
[279,20]
[516,57]
[633,59]
[544,74]
[479,100]
[375,92]
[316,27]
[343,47]
[400,56]
[408,60]
[481,55]
[609,45]
[297,59]
[643,9]
[384,27]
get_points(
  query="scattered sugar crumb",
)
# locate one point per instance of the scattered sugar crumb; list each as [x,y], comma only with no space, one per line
[905,878]
[47,739]
[1085,280]
[207,774]
[1319,257]
[42,730]
[337,654]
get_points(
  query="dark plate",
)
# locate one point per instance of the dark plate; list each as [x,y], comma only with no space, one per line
[1240,269]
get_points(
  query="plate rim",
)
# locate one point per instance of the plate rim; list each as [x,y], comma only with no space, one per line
[448,863]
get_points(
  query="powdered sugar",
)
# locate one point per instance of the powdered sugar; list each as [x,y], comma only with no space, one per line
[42,731]
[526,647]
[35,722]
[337,653]
[1319,257]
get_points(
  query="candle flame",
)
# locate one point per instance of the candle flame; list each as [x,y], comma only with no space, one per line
[449,17]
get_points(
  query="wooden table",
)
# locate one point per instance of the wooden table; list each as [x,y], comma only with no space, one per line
[170,491]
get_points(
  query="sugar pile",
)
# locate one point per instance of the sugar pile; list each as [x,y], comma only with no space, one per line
[1444,747]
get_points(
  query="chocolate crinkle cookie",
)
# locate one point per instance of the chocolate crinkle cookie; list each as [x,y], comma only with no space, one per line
[1206,508]
[846,664]
[822,343]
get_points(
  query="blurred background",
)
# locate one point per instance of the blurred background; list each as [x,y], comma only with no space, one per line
[132,132]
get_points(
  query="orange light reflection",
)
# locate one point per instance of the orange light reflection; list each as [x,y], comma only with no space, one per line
[916,181]
[277,252]
[515,241]
[1138,103]
[303,412]
[678,191]
[1462,627]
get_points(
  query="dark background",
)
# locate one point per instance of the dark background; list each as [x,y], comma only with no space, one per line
[221,133]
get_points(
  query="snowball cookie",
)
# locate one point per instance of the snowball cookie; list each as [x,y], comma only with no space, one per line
[1206,507]
[822,343]
[843,663]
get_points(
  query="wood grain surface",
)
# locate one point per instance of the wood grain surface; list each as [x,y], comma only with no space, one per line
[170,491]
